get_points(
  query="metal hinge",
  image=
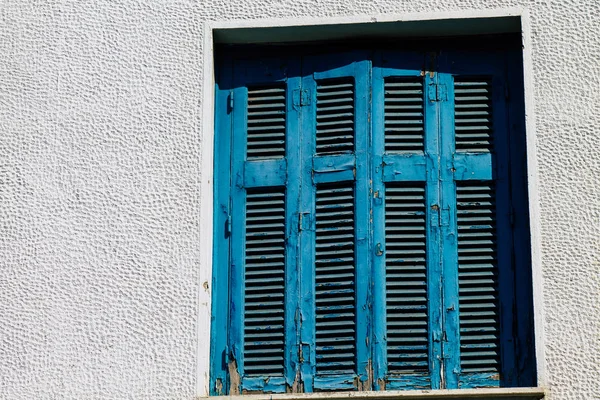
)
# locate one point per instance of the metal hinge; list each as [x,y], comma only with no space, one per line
[301,97]
[303,221]
[445,216]
[228,226]
[305,97]
[437,92]
[230,100]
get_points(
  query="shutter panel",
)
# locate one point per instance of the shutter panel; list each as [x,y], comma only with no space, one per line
[406,279]
[479,286]
[406,266]
[335,279]
[335,245]
[264,276]
[485,248]
[478,277]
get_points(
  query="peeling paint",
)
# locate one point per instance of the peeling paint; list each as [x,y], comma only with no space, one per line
[381,384]
[366,385]
[219,386]
[297,386]
[257,391]
[234,378]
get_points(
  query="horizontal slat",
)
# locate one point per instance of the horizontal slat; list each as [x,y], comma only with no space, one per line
[473,114]
[335,116]
[264,282]
[404,115]
[335,279]
[478,292]
[266,122]
[406,278]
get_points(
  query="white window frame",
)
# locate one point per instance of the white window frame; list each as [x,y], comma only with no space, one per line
[471,22]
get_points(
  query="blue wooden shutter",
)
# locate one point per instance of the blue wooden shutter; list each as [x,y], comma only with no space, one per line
[477,233]
[335,220]
[306,295]
[477,240]
[406,267]
[263,277]
[219,334]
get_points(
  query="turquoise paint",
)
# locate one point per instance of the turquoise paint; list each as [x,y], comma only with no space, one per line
[434,251]
[449,261]
[307,237]
[266,384]
[476,166]
[265,173]
[220,275]
[238,229]
[404,167]
[379,337]
[362,79]
[334,163]
[292,311]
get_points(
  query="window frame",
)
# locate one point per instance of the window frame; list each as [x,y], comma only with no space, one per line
[206,180]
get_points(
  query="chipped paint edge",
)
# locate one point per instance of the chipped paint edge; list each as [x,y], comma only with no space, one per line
[206,182]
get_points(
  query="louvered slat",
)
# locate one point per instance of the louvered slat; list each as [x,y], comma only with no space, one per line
[404,129]
[406,279]
[335,116]
[473,114]
[264,282]
[477,272]
[266,122]
[335,279]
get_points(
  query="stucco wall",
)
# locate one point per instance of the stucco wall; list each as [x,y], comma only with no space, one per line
[100,170]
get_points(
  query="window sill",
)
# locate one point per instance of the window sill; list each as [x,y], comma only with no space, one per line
[473,394]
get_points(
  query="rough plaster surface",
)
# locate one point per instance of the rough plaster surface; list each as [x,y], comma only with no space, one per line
[100,154]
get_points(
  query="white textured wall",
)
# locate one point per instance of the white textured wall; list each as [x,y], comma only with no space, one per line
[100,155]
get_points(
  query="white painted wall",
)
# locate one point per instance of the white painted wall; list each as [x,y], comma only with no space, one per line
[105,188]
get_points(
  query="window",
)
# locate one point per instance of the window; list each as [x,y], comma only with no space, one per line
[371,221]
